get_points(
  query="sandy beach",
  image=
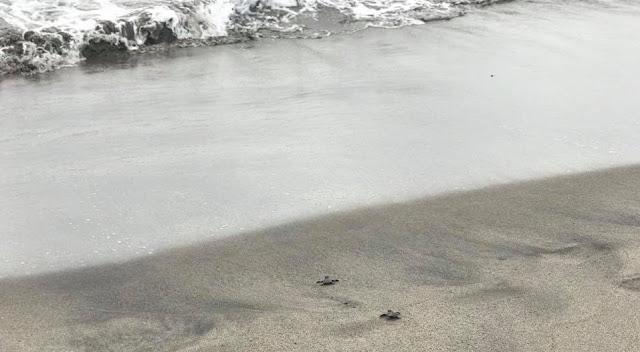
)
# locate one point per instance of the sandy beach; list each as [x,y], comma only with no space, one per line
[481,176]
[536,266]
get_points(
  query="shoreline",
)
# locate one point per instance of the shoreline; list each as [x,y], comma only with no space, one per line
[198,144]
[536,265]
[453,193]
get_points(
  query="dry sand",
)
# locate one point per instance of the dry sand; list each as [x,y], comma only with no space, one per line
[536,266]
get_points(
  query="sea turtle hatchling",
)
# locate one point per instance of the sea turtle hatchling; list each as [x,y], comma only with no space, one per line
[390,315]
[327,281]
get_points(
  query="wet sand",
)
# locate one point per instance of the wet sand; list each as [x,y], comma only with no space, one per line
[537,266]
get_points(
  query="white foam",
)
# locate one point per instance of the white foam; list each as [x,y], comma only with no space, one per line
[187,19]
[206,19]
[192,18]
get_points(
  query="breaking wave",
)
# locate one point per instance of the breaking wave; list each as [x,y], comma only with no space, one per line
[41,35]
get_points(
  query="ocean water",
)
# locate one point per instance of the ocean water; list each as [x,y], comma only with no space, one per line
[110,161]
[195,21]
[65,27]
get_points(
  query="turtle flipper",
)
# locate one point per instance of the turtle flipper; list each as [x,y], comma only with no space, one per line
[327,281]
[390,315]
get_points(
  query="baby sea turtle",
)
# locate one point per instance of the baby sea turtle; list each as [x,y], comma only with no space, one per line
[327,281]
[390,315]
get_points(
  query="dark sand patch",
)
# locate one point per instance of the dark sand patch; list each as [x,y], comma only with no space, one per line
[517,267]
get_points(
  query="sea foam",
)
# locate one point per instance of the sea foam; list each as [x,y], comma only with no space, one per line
[82,28]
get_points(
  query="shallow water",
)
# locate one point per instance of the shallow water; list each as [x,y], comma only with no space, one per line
[107,162]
